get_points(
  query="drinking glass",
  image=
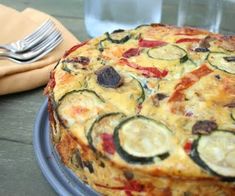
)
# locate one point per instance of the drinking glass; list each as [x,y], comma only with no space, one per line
[205,14]
[107,15]
[227,25]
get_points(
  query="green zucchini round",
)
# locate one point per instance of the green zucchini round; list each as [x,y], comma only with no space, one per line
[168,52]
[233,114]
[142,140]
[214,153]
[217,60]
[118,38]
[104,123]
[142,25]
[141,98]
[102,44]
[75,66]
[70,68]
[83,99]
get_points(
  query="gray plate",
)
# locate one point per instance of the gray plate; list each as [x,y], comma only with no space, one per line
[60,177]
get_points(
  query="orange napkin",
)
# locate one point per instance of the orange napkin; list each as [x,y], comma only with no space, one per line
[15,25]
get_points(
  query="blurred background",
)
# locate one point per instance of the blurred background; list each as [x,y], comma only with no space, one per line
[107,15]
[73,12]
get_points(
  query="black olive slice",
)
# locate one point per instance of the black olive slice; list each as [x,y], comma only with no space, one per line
[108,77]
[230,58]
[204,127]
[230,105]
[158,97]
[201,49]
[161,96]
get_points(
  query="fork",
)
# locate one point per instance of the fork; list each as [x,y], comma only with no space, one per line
[31,40]
[37,52]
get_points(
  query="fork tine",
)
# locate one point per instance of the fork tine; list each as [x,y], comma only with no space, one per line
[44,42]
[38,30]
[38,49]
[49,49]
[31,40]
[36,55]
[41,32]
[40,37]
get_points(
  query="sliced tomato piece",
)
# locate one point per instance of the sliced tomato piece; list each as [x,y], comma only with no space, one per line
[188,146]
[151,43]
[131,52]
[182,40]
[191,32]
[74,48]
[187,81]
[108,144]
[146,71]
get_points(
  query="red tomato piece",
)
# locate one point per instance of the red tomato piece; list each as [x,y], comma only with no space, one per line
[74,48]
[131,52]
[182,40]
[146,71]
[108,143]
[151,43]
[187,81]
[188,147]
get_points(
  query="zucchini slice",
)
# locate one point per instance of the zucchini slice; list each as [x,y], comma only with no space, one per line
[183,68]
[216,153]
[78,106]
[141,98]
[197,58]
[142,140]
[76,65]
[126,97]
[103,44]
[142,25]
[233,114]
[218,61]
[168,52]
[118,37]
[104,124]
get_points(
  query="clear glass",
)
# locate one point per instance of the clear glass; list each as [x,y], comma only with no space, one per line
[107,15]
[227,25]
[205,14]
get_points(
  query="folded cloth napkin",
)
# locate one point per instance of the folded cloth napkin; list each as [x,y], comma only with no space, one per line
[14,26]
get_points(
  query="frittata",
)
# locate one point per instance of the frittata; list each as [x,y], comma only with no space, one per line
[148,111]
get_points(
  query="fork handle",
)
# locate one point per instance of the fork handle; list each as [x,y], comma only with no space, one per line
[4,53]
[4,46]
[8,55]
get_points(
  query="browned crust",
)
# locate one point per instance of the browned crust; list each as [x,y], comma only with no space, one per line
[65,148]
[153,185]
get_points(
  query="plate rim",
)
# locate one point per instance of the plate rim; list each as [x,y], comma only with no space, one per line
[61,178]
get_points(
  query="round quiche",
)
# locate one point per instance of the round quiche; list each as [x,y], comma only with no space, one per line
[148,111]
